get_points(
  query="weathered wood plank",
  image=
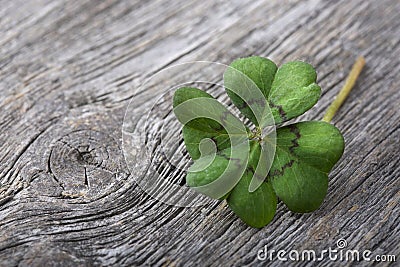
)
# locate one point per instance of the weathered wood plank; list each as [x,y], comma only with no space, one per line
[67,72]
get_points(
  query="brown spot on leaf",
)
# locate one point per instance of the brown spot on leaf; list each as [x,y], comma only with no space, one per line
[282,170]
[282,113]
[293,129]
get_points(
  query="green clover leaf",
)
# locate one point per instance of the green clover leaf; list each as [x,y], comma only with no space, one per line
[290,90]
[200,128]
[304,152]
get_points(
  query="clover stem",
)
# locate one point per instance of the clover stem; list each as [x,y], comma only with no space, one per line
[344,92]
[255,134]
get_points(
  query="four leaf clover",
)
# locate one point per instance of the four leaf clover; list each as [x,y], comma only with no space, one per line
[304,152]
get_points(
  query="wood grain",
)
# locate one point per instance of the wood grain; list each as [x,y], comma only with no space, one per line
[68,70]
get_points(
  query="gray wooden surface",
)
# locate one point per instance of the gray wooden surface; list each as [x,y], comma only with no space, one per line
[67,73]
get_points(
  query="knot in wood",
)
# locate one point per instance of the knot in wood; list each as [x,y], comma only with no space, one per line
[86,163]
